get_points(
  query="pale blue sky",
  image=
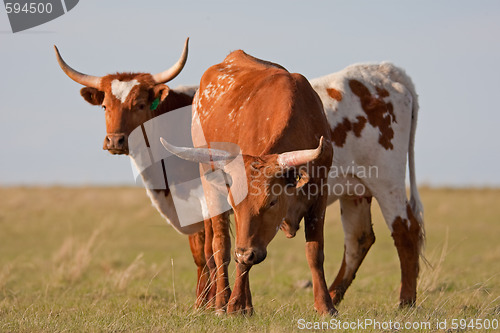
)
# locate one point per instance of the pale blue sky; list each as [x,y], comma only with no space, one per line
[451,49]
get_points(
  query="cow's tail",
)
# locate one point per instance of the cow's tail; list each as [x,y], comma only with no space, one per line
[399,75]
[415,202]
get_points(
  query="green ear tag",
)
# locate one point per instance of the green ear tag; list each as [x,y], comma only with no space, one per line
[155,103]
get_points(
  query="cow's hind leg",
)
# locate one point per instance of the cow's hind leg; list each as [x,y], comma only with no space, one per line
[358,238]
[197,245]
[407,233]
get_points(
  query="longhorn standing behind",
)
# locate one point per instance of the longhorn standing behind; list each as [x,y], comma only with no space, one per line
[372,112]
[130,100]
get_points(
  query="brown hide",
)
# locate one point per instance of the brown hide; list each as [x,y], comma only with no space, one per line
[123,118]
[265,110]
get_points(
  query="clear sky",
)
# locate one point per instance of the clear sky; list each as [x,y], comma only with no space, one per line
[451,49]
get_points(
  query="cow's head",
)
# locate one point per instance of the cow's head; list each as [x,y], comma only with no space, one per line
[129,99]
[279,192]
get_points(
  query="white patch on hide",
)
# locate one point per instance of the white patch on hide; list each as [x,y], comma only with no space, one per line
[121,89]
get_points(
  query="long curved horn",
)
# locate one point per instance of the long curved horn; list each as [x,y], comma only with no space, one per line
[173,71]
[300,157]
[200,155]
[84,79]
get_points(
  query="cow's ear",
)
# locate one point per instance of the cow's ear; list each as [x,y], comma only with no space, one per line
[160,91]
[92,95]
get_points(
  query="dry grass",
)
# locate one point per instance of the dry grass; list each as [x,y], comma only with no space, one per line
[102,259]
[73,258]
[123,278]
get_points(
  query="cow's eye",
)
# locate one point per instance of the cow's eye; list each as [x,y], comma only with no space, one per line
[293,179]
[104,107]
[272,203]
[142,106]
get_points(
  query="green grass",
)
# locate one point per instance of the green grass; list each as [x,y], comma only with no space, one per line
[102,259]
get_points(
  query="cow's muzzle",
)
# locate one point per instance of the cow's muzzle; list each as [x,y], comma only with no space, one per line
[249,256]
[116,143]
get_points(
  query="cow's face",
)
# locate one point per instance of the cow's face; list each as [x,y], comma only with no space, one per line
[278,192]
[128,99]
[277,199]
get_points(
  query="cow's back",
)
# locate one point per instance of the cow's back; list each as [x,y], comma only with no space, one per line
[369,108]
[258,105]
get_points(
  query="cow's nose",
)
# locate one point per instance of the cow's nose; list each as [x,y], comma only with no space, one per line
[245,256]
[115,143]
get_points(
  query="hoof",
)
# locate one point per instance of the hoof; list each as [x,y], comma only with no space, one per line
[407,303]
[327,311]
[238,310]
[220,312]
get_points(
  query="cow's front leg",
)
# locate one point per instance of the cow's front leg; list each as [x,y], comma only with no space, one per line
[211,289]
[221,245]
[241,297]
[197,245]
[314,222]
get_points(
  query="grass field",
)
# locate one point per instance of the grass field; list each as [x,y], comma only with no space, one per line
[102,259]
